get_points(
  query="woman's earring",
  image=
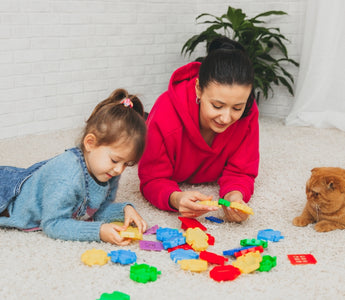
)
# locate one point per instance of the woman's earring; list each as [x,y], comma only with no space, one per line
[197,100]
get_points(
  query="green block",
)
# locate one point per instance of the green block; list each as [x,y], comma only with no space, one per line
[115,296]
[224,202]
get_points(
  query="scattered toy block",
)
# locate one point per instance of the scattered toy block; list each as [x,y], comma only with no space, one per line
[214,219]
[143,273]
[181,254]
[269,235]
[196,238]
[194,265]
[252,249]
[151,245]
[95,257]
[231,252]
[114,296]
[174,241]
[267,263]
[165,233]
[253,242]
[248,263]
[302,259]
[184,246]
[151,230]
[213,258]
[124,257]
[191,223]
[224,273]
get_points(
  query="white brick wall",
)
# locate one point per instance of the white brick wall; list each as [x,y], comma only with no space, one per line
[59,58]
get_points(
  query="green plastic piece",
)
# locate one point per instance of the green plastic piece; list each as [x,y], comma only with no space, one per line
[253,242]
[224,202]
[267,263]
[115,296]
[143,273]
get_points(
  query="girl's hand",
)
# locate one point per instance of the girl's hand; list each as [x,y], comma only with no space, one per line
[131,216]
[231,214]
[109,233]
[185,203]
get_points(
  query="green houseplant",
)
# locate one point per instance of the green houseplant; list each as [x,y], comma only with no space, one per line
[265,46]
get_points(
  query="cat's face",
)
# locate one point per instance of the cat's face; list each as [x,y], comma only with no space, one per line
[326,189]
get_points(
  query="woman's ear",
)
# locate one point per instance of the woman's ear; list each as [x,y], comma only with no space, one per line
[197,88]
[90,142]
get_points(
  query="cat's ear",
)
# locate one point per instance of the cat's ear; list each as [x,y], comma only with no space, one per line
[314,170]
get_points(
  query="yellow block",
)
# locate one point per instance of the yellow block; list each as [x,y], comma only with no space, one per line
[95,257]
[131,232]
[242,207]
[194,265]
[196,238]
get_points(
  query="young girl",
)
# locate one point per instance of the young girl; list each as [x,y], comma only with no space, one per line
[204,128]
[63,194]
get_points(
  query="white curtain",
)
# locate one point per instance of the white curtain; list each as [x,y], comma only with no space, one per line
[320,89]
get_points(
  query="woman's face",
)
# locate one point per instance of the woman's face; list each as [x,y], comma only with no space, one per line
[221,105]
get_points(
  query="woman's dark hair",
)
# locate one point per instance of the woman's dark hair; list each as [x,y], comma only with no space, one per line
[227,63]
[112,121]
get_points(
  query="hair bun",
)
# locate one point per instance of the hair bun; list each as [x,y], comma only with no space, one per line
[225,44]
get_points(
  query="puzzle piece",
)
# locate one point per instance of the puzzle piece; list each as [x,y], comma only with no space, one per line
[95,257]
[124,257]
[131,232]
[248,263]
[302,259]
[194,265]
[196,238]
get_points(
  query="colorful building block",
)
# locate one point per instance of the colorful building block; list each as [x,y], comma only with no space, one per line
[194,265]
[151,245]
[248,263]
[269,235]
[196,238]
[95,257]
[151,230]
[225,273]
[214,219]
[165,233]
[253,242]
[209,203]
[181,254]
[184,246]
[267,263]
[143,273]
[252,249]
[123,257]
[231,252]
[213,258]
[236,205]
[114,296]
[191,223]
[174,241]
[131,232]
[301,259]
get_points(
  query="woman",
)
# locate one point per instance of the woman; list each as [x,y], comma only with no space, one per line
[204,129]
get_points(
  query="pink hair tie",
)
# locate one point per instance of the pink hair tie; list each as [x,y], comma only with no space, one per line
[127,102]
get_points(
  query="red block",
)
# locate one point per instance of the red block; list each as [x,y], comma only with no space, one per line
[191,223]
[245,251]
[224,273]
[184,246]
[213,258]
[302,259]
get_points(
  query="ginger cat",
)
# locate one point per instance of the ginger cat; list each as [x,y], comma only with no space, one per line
[325,205]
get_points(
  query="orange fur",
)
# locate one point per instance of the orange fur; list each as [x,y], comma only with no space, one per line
[325,205]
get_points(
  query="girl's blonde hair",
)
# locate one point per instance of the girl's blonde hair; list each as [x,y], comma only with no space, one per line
[112,121]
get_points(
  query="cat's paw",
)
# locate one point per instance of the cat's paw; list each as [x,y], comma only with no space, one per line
[300,221]
[324,226]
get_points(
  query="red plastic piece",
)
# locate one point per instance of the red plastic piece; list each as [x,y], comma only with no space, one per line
[301,259]
[191,223]
[210,240]
[184,246]
[245,251]
[224,273]
[213,258]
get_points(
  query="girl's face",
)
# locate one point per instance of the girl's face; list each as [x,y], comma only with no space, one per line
[221,105]
[106,161]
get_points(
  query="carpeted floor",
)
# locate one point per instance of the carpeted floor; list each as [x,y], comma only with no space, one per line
[36,267]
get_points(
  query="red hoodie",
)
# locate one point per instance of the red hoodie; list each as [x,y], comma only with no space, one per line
[176,152]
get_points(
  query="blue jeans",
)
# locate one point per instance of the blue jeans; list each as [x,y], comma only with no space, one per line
[11,181]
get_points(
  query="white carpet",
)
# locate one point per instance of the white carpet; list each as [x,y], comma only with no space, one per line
[36,267]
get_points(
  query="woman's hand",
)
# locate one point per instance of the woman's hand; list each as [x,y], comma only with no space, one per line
[231,214]
[185,203]
[109,233]
[131,215]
